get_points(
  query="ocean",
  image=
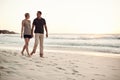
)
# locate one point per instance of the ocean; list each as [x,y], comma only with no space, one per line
[107,43]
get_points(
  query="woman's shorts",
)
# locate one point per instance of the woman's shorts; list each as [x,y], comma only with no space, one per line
[27,36]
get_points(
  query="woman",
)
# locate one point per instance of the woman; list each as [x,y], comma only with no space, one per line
[26,32]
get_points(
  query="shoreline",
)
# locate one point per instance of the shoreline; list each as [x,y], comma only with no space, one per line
[67,50]
[107,44]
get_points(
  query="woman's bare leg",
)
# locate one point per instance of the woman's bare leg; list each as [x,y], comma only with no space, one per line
[26,45]
[22,52]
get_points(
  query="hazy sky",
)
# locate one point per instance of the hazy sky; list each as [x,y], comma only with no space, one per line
[64,16]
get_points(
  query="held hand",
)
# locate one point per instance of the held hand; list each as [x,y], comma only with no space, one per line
[32,35]
[21,36]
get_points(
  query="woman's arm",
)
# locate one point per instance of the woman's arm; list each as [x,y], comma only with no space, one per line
[22,27]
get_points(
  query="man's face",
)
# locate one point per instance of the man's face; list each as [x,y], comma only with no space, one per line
[38,15]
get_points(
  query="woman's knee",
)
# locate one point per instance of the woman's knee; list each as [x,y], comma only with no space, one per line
[26,44]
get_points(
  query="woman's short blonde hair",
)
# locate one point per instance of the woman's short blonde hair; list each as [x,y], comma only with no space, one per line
[26,14]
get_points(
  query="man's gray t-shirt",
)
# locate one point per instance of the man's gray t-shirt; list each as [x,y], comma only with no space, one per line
[39,25]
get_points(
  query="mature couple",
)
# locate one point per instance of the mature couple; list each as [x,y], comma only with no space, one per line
[39,24]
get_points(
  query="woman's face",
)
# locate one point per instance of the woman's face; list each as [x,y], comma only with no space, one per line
[28,16]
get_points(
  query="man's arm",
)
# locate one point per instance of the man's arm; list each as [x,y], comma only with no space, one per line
[46,30]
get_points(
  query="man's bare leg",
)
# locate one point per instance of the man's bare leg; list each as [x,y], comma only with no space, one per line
[35,44]
[33,52]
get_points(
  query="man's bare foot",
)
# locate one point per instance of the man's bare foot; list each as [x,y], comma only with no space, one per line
[41,55]
[29,55]
[33,52]
[22,53]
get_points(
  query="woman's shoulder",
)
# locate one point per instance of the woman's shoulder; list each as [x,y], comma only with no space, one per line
[26,20]
[23,20]
[29,20]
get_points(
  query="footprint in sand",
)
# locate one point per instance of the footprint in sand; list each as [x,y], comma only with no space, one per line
[9,72]
[52,63]
[115,69]
[1,67]
[81,75]
[15,53]
[15,61]
[99,75]
[90,63]
[67,73]
[12,68]
[7,55]
[55,64]
[32,69]
[23,57]
[70,79]
[30,60]
[5,61]
[111,66]
[75,71]
[4,51]
[52,56]
[55,59]
[37,61]
[76,66]
[60,68]
[39,66]
[94,67]
[72,63]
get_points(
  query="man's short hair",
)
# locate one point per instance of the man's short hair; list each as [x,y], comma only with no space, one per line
[39,12]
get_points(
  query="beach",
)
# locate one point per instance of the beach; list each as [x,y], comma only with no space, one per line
[59,65]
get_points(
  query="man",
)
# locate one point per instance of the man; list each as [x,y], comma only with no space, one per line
[39,23]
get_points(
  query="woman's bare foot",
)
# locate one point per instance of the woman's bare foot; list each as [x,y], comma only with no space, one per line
[28,55]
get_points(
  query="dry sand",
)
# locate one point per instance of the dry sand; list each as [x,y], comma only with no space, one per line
[59,65]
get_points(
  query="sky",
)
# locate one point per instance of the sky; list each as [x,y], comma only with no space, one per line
[64,16]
